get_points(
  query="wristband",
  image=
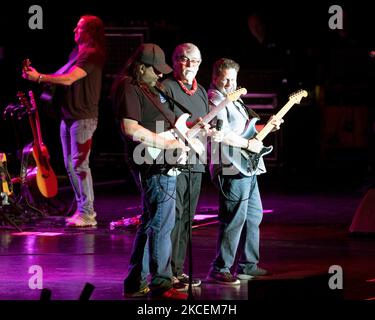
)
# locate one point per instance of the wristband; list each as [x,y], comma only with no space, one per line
[40,77]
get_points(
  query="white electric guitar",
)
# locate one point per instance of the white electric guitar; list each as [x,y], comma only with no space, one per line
[184,134]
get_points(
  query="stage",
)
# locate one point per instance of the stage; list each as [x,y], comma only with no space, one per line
[304,233]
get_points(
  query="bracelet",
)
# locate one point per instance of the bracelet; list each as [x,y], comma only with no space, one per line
[40,78]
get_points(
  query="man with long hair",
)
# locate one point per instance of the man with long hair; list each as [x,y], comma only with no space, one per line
[80,81]
[140,114]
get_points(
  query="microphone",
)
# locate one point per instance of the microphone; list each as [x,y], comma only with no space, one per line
[219,124]
[216,149]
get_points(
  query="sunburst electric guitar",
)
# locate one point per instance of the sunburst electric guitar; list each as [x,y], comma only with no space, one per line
[45,178]
[246,161]
[189,134]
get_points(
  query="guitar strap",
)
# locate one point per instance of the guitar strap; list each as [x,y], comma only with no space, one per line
[73,59]
[250,112]
[171,121]
[158,106]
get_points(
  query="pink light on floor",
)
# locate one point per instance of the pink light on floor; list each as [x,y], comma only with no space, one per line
[200,217]
[268,211]
[45,234]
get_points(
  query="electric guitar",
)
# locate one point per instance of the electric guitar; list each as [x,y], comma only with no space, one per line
[45,178]
[183,133]
[246,161]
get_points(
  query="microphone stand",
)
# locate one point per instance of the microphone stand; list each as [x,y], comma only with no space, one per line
[159,88]
[190,245]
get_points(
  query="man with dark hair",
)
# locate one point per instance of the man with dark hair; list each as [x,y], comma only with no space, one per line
[240,205]
[141,115]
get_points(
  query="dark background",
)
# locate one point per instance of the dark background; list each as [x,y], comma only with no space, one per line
[331,133]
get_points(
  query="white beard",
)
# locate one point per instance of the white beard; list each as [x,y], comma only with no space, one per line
[189,76]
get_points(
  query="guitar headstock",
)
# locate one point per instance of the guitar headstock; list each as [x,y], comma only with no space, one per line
[297,96]
[233,96]
[26,64]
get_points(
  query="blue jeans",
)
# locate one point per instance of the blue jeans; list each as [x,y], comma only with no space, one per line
[152,248]
[240,214]
[76,140]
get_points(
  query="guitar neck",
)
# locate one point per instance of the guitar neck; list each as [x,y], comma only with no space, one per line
[207,118]
[38,130]
[232,96]
[269,127]
[34,131]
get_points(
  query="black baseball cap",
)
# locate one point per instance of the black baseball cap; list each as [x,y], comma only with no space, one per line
[151,54]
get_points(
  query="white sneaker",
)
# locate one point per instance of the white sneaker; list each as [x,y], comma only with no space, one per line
[81,220]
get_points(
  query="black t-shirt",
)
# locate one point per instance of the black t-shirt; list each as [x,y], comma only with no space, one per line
[197,104]
[82,97]
[130,102]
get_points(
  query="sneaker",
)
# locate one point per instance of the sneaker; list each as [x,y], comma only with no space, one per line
[143,292]
[178,285]
[184,278]
[252,274]
[172,294]
[78,214]
[81,220]
[225,278]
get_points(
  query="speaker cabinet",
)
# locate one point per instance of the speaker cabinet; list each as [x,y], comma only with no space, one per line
[121,43]
[265,104]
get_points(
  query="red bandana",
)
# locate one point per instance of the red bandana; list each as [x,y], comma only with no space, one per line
[186,90]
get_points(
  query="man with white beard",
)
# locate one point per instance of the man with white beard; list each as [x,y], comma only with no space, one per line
[182,86]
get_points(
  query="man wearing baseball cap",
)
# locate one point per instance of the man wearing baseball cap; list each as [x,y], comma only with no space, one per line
[138,110]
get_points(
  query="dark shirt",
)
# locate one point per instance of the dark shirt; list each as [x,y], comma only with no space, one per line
[130,102]
[197,104]
[82,97]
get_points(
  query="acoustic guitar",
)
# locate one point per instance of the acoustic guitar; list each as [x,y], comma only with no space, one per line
[45,178]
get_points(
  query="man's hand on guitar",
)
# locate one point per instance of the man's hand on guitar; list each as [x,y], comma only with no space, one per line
[276,122]
[203,125]
[180,148]
[254,145]
[216,136]
[30,73]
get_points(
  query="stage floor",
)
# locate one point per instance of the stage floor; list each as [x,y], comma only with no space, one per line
[304,232]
